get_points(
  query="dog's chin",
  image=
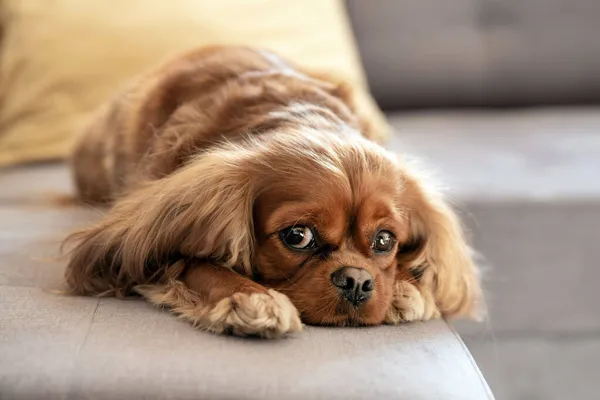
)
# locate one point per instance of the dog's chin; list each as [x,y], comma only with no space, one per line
[347,321]
[344,316]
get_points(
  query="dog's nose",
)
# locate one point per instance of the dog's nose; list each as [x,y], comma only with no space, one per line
[355,284]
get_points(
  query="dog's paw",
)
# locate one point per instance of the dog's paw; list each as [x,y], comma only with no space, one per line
[409,304]
[268,315]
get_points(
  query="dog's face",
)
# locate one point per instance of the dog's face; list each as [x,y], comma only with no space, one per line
[328,239]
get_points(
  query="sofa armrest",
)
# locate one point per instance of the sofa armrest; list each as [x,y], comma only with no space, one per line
[55,347]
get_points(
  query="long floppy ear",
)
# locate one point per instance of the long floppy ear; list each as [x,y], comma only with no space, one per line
[438,253]
[203,210]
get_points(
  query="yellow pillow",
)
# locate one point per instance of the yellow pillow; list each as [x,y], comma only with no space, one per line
[60,59]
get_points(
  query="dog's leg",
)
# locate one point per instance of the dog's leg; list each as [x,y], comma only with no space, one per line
[411,300]
[219,300]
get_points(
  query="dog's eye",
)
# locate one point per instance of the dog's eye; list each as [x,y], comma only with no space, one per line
[384,242]
[298,237]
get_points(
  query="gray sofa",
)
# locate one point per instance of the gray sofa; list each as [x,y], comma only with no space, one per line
[523,166]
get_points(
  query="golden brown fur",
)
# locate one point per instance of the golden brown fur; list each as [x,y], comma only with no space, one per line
[209,157]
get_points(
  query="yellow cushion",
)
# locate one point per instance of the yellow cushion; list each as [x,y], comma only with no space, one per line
[62,58]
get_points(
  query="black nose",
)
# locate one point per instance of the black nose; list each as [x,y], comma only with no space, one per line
[355,284]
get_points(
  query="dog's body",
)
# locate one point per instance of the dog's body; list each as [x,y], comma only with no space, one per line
[240,183]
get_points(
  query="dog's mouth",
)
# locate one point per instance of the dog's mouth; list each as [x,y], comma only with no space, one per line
[334,310]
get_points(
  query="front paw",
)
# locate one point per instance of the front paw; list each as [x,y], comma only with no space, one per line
[409,304]
[268,315]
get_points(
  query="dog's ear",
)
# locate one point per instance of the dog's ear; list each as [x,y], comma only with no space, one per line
[203,210]
[438,253]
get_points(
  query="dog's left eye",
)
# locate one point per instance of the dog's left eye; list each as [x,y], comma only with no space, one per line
[384,242]
[298,237]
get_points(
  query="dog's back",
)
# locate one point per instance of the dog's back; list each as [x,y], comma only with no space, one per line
[167,116]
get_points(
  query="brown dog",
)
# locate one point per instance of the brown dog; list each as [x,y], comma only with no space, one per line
[248,194]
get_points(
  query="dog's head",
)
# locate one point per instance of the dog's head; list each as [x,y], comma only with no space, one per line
[327,219]
[327,225]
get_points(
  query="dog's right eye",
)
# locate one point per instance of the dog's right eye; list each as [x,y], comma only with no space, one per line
[298,237]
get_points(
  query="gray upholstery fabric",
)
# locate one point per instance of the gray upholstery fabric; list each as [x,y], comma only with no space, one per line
[541,154]
[479,52]
[526,182]
[61,347]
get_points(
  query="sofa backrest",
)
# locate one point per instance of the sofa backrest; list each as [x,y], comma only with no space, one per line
[433,53]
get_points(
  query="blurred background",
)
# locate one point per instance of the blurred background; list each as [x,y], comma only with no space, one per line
[500,97]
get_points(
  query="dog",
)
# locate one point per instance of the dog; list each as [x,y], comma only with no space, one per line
[249,197]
